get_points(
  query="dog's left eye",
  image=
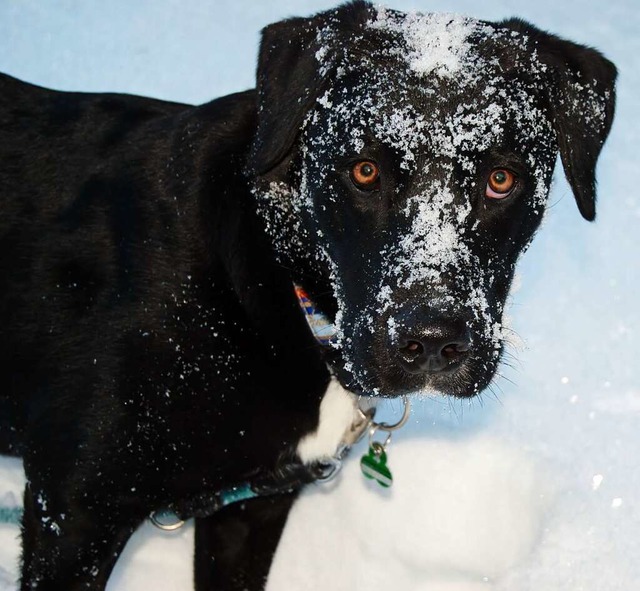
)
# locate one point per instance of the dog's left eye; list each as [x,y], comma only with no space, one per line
[365,175]
[500,184]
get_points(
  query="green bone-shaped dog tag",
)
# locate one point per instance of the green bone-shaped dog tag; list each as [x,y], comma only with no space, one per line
[374,465]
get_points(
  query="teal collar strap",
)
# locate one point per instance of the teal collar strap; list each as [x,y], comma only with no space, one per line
[10,515]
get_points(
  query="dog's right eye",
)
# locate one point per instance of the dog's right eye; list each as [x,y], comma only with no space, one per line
[500,184]
[365,175]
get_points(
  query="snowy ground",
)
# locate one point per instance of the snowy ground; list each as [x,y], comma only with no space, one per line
[537,490]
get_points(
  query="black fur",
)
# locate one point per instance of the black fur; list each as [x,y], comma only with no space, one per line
[151,345]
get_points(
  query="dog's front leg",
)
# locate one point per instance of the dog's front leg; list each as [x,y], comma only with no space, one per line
[235,547]
[69,549]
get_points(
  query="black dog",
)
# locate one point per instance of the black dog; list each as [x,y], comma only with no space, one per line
[154,353]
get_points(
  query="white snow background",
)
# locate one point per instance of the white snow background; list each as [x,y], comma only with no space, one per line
[537,490]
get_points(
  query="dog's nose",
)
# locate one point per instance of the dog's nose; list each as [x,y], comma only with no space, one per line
[437,346]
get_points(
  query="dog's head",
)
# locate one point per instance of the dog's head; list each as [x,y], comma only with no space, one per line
[402,164]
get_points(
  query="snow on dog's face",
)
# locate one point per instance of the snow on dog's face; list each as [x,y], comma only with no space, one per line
[416,174]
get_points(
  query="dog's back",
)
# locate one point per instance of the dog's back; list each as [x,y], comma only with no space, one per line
[67,213]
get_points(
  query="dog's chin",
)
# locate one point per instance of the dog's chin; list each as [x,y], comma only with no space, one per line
[390,381]
[464,382]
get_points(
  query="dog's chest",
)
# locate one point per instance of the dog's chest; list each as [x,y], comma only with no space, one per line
[338,413]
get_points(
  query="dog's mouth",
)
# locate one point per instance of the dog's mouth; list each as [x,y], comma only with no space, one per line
[386,378]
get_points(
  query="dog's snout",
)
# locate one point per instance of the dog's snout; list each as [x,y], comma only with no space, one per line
[434,347]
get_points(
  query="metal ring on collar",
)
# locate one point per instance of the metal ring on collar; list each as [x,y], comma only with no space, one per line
[159,519]
[400,423]
[330,469]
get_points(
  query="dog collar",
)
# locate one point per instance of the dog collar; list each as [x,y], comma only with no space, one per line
[322,328]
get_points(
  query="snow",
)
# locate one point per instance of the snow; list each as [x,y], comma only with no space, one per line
[539,490]
[495,496]
[438,43]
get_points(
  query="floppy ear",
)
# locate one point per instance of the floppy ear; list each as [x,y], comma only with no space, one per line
[289,81]
[295,61]
[581,100]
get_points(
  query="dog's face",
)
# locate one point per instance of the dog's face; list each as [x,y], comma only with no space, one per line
[416,175]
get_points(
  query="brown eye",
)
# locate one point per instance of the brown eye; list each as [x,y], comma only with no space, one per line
[365,174]
[501,183]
